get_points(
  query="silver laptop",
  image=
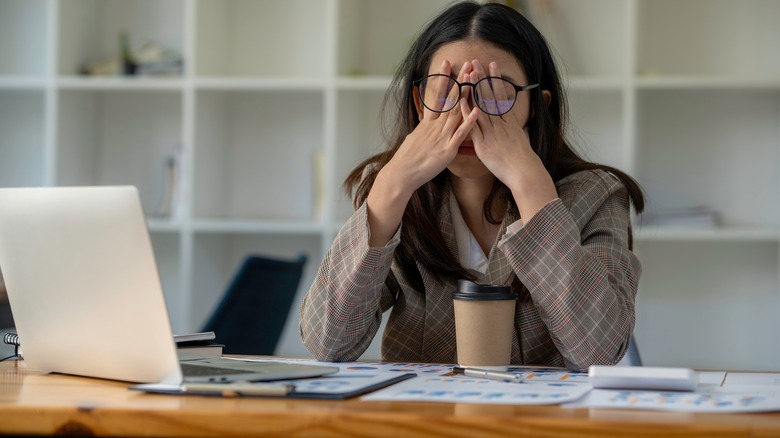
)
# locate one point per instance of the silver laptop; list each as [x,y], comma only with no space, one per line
[86,295]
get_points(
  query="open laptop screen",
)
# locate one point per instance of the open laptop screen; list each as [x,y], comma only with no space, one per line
[83,283]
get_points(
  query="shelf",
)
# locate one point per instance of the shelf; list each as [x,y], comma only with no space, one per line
[368,83]
[22,83]
[256,227]
[716,150]
[163,225]
[260,84]
[120,83]
[717,234]
[702,82]
[595,83]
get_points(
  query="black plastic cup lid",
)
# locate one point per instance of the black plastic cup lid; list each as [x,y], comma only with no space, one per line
[468,290]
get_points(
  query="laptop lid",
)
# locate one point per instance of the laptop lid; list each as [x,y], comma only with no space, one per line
[84,288]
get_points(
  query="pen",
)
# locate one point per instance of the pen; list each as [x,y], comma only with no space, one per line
[236,389]
[503,376]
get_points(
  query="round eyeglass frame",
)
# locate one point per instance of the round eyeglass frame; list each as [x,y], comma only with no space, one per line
[475,96]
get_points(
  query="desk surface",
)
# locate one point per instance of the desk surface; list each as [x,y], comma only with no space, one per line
[34,403]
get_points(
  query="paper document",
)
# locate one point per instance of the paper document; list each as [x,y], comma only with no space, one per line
[711,402]
[459,389]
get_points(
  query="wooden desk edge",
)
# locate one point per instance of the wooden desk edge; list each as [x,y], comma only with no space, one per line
[31,403]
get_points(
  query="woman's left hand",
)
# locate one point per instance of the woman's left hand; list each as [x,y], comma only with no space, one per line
[503,146]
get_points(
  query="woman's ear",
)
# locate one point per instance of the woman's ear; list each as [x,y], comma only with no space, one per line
[417,102]
[547,97]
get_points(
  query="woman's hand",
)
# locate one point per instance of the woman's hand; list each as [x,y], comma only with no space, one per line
[425,152]
[434,143]
[503,146]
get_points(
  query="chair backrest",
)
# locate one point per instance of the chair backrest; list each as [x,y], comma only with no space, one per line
[253,311]
[632,354]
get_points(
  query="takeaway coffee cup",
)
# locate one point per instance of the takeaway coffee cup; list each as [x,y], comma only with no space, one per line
[484,321]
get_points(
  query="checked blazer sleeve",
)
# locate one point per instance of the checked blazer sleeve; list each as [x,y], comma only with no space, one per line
[575,262]
[343,309]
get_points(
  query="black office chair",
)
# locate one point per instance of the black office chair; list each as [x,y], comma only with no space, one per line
[251,315]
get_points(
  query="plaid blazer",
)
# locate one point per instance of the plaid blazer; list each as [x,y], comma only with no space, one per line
[575,308]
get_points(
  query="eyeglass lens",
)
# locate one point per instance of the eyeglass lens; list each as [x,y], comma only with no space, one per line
[494,96]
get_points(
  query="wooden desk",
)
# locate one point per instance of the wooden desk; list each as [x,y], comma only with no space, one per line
[33,403]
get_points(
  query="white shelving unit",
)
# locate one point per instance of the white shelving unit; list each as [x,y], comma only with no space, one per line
[279,99]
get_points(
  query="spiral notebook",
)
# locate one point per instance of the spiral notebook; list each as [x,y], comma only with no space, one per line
[86,296]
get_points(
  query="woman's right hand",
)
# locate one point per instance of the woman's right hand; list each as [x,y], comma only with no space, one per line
[425,152]
[433,144]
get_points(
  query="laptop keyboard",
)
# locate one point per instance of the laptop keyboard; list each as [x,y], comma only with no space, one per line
[190,370]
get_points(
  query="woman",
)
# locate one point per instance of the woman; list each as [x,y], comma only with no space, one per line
[479,183]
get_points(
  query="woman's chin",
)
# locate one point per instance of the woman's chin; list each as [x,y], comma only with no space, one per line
[468,166]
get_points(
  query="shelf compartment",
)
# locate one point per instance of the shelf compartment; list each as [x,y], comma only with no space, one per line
[23,37]
[733,39]
[22,145]
[716,310]
[717,149]
[579,50]
[246,139]
[166,246]
[267,38]
[119,138]
[375,35]
[217,257]
[90,29]
[597,128]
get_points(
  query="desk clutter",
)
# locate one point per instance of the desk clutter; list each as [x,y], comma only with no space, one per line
[715,392]
[201,344]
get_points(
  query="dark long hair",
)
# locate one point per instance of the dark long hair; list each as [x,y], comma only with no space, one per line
[504,27]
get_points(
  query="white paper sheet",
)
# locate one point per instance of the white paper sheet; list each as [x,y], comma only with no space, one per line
[470,390]
[711,402]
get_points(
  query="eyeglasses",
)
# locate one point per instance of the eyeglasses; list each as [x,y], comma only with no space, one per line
[493,95]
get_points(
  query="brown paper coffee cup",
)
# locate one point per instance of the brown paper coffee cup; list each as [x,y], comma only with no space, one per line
[484,321]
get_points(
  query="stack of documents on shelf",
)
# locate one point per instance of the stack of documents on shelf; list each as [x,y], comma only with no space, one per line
[692,217]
